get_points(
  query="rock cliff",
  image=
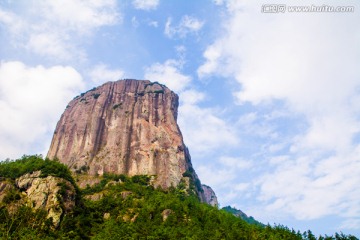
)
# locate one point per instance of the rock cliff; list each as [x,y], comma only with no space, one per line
[124,127]
[210,196]
[54,195]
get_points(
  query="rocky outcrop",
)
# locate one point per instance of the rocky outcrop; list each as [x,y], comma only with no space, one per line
[5,187]
[124,127]
[166,213]
[210,196]
[95,196]
[54,195]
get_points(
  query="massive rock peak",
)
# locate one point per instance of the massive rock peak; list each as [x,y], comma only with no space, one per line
[124,127]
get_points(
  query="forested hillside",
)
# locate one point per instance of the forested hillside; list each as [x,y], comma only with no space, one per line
[120,207]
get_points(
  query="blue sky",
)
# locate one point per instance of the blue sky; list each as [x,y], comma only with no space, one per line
[269,102]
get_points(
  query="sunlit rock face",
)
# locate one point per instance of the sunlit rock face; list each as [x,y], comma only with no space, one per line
[52,194]
[124,127]
[210,196]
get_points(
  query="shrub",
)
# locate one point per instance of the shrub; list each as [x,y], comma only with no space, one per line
[96,95]
[29,164]
[11,196]
[117,105]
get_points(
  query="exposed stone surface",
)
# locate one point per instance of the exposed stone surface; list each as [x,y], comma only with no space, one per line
[95,196]
[25,181]
[166,213]
[112,183]
[106,216]
[53,194]
[84,180]
[125,194]
[210,197]
[5,187]
[124,127]
[130,215]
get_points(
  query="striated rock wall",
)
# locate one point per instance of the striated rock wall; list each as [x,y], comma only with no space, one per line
[124,127]
[210,196]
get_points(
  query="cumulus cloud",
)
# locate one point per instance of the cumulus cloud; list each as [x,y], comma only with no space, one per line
[217,177]
[168,73]
[51,28]
[308,62]
[212,55]
[152,23]
[204,129]
[192,96]
[187,25]
[31,101]
[311,192]
[10,19]
[134,22]
[237,163]
[218,2]
[352,223]
[145,4]
[226,175]
[80,16]
[49,44]
[101,74]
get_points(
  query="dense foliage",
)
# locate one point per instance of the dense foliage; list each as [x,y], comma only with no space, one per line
[241,215]
[130,208]
[28,164]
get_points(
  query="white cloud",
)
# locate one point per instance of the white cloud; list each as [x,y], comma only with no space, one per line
[11,19]
[212,55]
[168,73]
[215,176]
[54,29]
[154,24]
[223,176]
[80,16]
[191,97]
[352,223]
[238,163]
[256,126]
[181,51]
[101,74]
[308,62]
[134,22]
[187,25]
[31,101]
[204,130]
[241,187]
[49,44]
[218,2]
[145,4]
[310,193]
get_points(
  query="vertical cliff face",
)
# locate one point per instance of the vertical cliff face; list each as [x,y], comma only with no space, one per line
[124,127]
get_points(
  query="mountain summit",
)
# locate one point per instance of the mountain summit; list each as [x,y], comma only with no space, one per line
[125,127]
